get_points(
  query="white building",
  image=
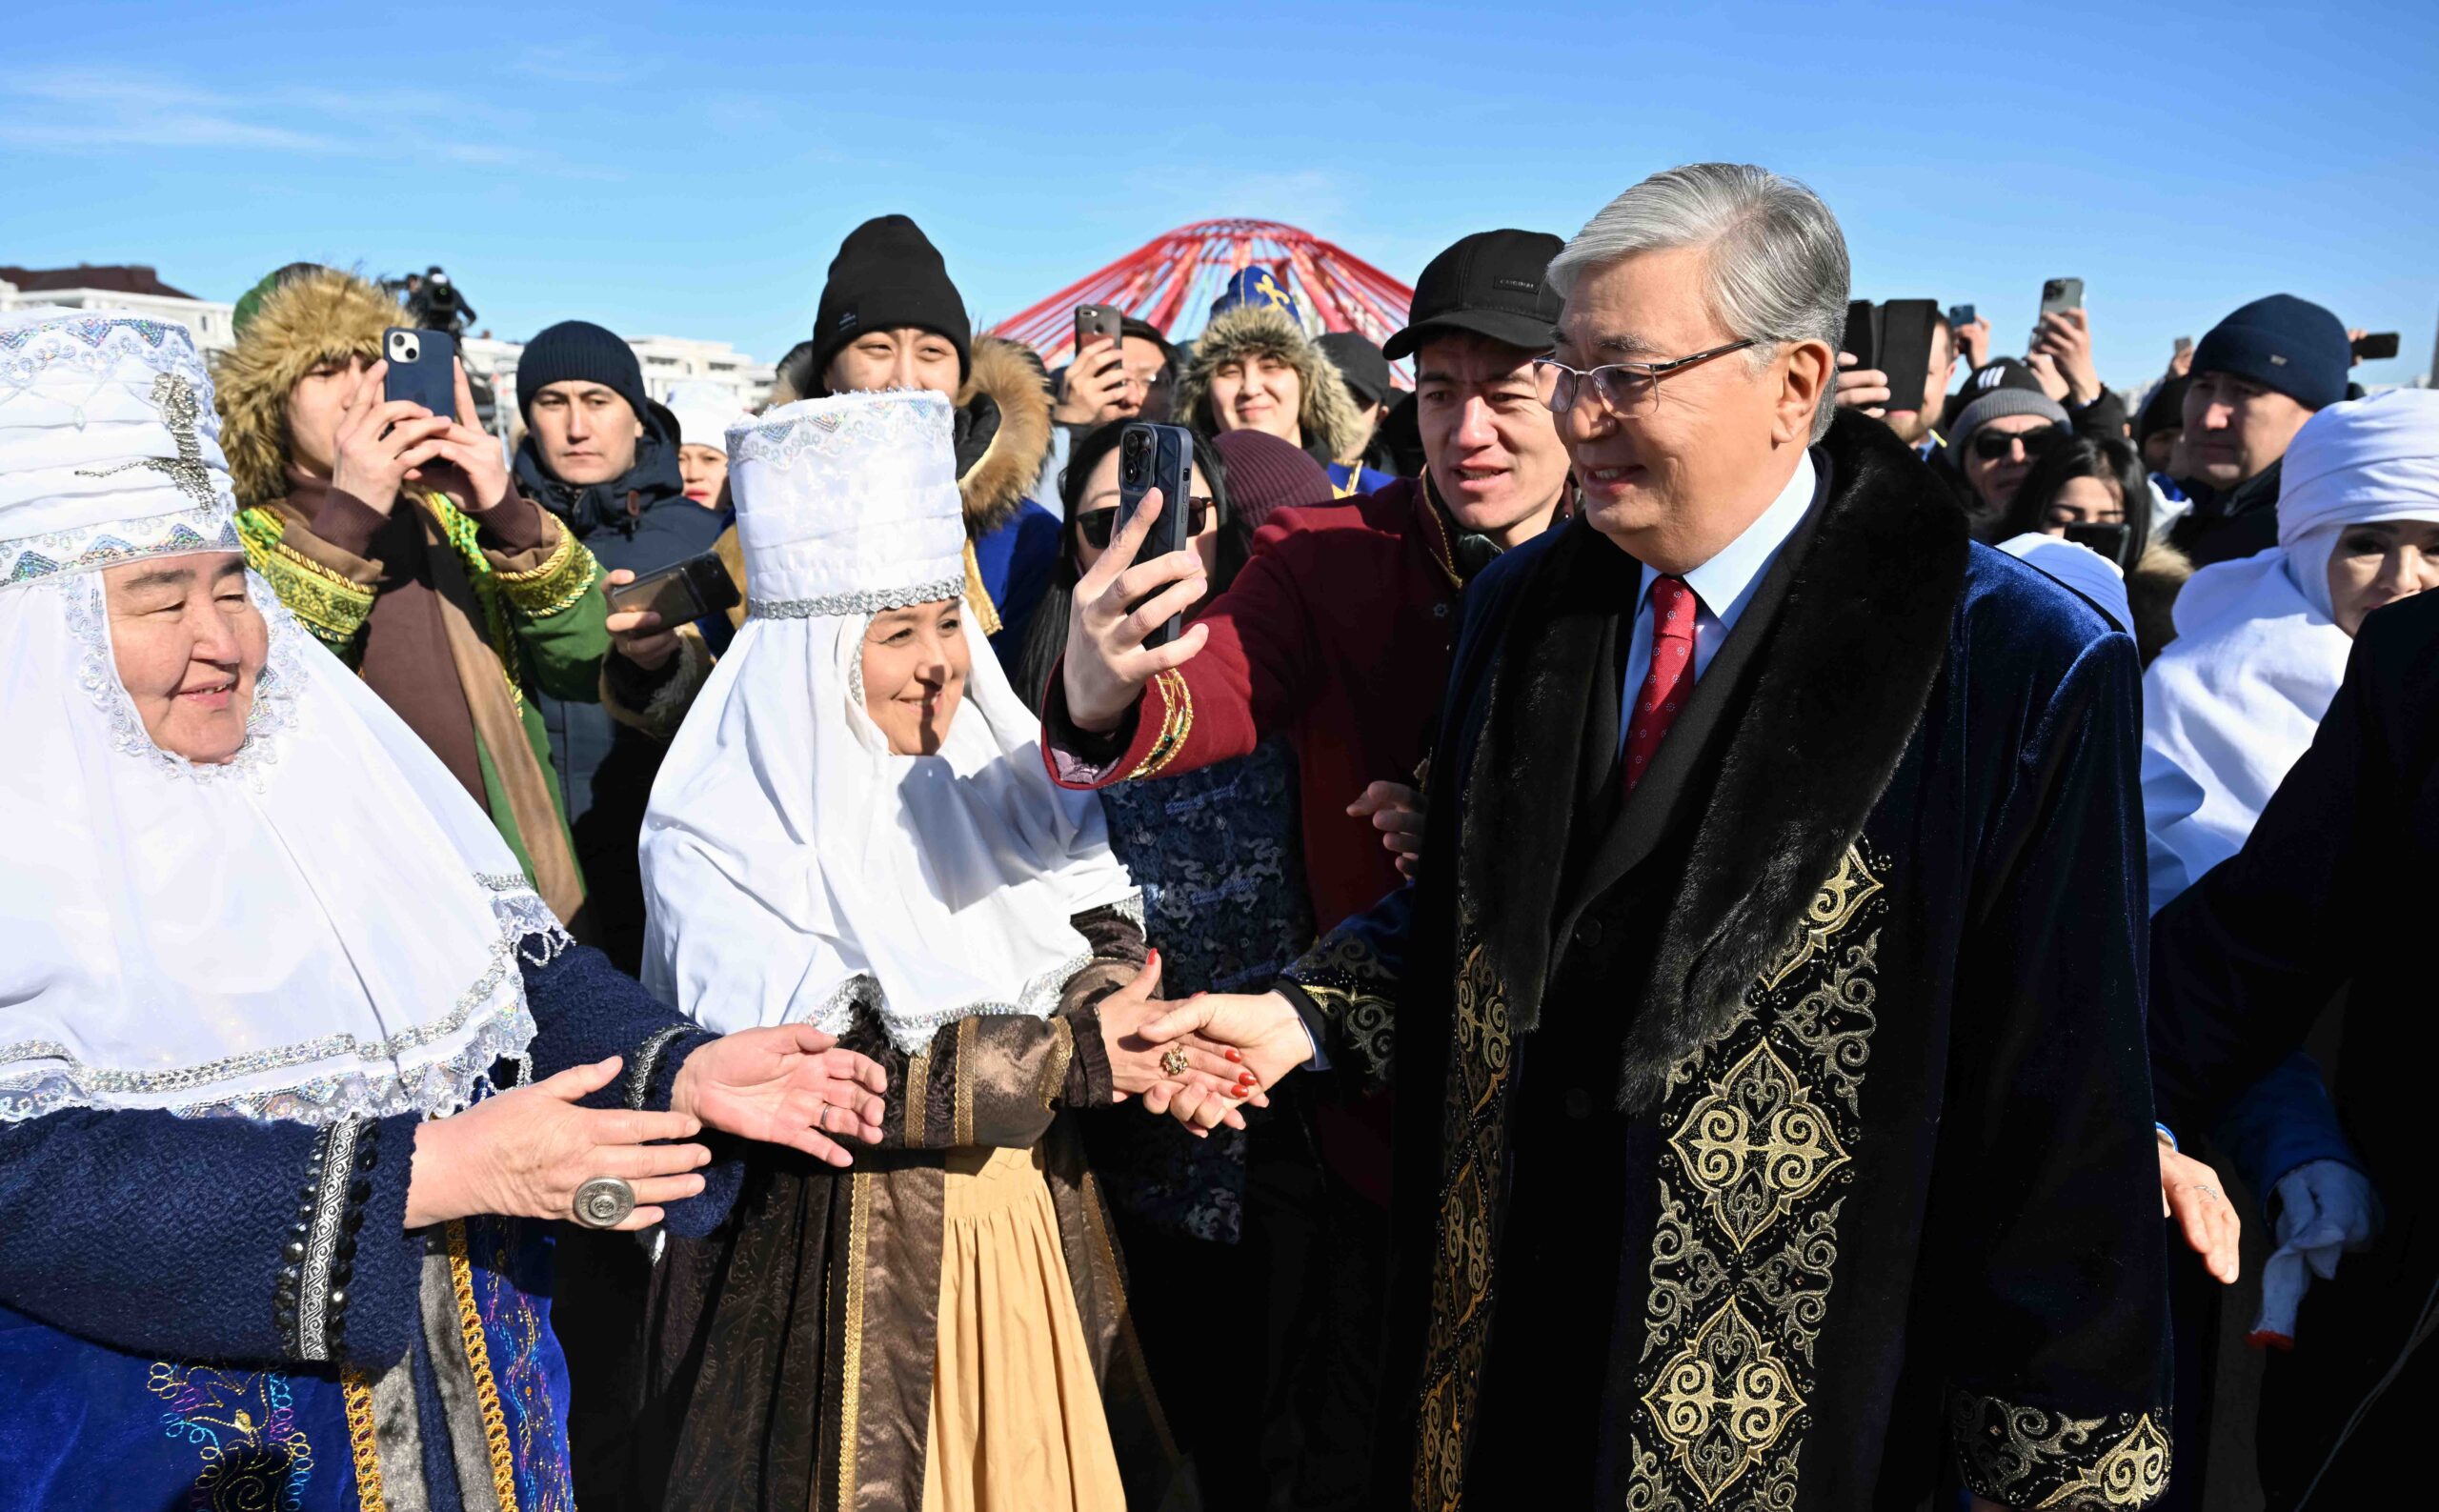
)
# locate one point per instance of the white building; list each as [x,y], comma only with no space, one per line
[666,360]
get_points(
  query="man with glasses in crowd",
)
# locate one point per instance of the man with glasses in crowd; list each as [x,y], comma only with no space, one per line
[1757,1142]
[2004,422]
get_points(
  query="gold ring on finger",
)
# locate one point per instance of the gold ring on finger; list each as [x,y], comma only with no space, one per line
[1175,1061]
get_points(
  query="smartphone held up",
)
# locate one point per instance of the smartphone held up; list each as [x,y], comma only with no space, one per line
[422,368]
[1159,456]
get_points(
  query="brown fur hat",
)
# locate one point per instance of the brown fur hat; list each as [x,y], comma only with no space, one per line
[321,316]
[1328,415]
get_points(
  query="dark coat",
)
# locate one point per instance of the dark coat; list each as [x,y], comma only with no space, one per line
[1756,1137]
[2222,527]
[2332,890]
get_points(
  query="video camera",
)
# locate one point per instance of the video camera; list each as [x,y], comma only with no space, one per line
[438,306]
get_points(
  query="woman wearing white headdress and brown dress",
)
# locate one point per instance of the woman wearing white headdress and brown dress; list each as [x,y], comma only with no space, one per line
[854,830]
[274,996]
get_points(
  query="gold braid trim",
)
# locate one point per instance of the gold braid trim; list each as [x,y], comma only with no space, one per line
[977,598]
[860,1218]
[961,1132]
[918,1088]
[478,1361]
[559,584]
[1177,722]
[357,1388]
[333,606]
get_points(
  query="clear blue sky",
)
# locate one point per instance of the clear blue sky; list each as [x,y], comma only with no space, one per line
[690,170]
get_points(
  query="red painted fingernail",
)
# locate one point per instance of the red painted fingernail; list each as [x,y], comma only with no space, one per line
[1235,1054]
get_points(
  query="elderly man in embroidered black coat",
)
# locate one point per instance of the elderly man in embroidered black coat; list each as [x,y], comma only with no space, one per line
[1796,1148]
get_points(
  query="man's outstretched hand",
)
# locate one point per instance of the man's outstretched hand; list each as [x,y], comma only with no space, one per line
[1107,663]
[1262,1030]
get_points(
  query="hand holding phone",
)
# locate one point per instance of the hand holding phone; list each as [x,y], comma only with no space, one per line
[1095,382]
[1159,457]
[422,368]
[2060,294]
[380,442]
[2374,346]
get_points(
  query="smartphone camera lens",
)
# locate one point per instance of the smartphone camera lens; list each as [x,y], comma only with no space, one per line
[404,347]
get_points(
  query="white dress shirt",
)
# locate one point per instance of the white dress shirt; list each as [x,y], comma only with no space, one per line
[1722,586]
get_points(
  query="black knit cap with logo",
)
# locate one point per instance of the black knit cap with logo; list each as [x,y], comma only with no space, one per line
[888,274]
[1493,283]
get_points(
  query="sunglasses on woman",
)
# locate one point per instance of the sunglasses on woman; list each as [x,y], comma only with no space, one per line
[1993,446]
[1097,525]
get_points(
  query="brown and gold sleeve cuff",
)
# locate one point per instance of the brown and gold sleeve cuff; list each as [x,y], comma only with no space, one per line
[517,526]
[558,581]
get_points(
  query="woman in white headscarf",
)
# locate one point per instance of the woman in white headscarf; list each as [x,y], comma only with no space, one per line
[854,830]
[2229,706]
[273,997]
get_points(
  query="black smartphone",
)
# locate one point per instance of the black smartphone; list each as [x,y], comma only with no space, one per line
[1959,315]
[422,368]
[2184,345]
[1906,349]
[2109,540]
[1158,456]
[2060,294]
[1096,323]
[2376,345]
[681,592]
[1862,332]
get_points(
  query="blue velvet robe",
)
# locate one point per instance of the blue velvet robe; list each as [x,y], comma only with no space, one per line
[148,1365]
[1779,1135]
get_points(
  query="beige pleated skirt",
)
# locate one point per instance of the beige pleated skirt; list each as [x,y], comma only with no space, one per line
[1017,1420]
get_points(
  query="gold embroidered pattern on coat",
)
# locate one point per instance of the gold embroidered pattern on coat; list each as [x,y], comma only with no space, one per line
[1465,1271]
[1756,1145]
[478,1363]
[851,1394]
[919,1092]
[1346,981]
[1722,1400]
[1761,1127]
[560,583]
[1832,908]
[356,1388]
[2036,1458]
[331,605]
[1177,722]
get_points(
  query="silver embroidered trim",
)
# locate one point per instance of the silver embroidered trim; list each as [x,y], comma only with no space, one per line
[322,1241]
[864,602]
[92,347]
[205,528]
[648,1063]
[828,428]
[1131,909]
[363,1090]
[911,1032]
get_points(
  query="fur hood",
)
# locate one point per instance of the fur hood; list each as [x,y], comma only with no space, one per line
[322,316]
[1328,415]
[1012,432]
[2157,575]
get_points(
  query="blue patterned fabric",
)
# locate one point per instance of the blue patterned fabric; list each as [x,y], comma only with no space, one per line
[87,1425]
[1217,855]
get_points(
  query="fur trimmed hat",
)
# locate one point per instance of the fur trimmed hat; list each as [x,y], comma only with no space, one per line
[324,315]
[1327,415]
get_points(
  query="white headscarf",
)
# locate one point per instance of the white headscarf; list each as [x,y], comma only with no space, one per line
[325,927]
[2237,696]
[2080,568]
[705,411]
[794,869]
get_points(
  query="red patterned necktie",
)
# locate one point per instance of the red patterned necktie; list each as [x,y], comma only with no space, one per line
[1670,682]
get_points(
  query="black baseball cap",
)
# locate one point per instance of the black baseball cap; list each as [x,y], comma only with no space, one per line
[1495,284]
[1360,363]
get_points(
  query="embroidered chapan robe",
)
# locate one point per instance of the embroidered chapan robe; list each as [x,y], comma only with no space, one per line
[1780,1138]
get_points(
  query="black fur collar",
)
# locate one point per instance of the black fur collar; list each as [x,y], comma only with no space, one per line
[1837,683]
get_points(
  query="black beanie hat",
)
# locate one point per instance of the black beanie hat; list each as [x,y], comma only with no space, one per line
[578,351]
[888,274]
[2164,410]
[2283,343]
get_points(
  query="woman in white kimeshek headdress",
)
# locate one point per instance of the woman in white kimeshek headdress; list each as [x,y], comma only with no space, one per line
[273,995]
[854,830]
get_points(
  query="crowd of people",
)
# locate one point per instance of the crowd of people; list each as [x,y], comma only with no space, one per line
[1678,936]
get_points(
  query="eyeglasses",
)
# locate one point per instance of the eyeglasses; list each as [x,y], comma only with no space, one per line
[1996,446]
[1097,525]
[1629,389]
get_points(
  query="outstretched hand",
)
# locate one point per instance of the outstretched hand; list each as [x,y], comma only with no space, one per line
[1215,1073]
[785,1084]
[1117,603]
[1262,1030]
[2190,1193]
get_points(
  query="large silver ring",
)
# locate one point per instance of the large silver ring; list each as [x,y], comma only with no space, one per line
[604,1203]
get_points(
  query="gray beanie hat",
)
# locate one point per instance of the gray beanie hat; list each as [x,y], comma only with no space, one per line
[1998,402]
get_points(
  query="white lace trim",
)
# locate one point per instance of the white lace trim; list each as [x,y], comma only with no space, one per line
[911,1032]
[866,602]
[357,1085]
[846,429]
[276,687]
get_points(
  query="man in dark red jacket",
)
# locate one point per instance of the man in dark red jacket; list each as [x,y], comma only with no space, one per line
[1338,630]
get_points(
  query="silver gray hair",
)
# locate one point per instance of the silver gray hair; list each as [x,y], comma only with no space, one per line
[1776,268]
